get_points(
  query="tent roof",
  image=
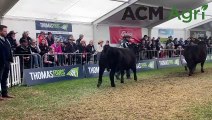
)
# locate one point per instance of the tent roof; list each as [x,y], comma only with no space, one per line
[63,10]
[115,18]
[100,11]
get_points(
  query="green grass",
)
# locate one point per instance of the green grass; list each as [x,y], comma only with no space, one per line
[202,112]
[47,98]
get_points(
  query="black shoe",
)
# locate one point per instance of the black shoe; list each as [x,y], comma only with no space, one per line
[7,96]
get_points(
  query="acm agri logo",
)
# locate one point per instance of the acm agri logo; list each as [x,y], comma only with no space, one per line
[49,74]
[185,16]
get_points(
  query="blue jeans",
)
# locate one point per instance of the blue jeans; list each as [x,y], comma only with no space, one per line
[36,61]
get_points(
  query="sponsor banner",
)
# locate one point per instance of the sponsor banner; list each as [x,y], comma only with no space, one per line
[209,58]
[53,26]
[169,62]
[146,65]
[52,74]
[92,70]
[183,61]
[117,33]
[197,34]
[165,32]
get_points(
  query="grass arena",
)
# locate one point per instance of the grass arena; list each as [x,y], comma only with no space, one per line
[163,94]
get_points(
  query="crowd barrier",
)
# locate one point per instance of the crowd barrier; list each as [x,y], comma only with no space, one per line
[65,59]
[147,60]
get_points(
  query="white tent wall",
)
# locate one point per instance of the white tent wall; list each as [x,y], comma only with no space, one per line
[178,33]
[21,25]
[102,32]
[96,33]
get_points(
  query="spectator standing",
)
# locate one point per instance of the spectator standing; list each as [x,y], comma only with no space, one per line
[176,43]
[99,48]
[25,54]
[11,38]
[107,44]
[41,37]
[50,39]
[5,60]
[71,47]
[43,47]
[144,38]
[125,41]
[181,42]
[58,50]
[35,54]
[91,52]
[50,59]
[83,50]
[81,36]
[25,36]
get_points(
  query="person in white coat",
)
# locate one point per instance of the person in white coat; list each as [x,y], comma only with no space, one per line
[99,48]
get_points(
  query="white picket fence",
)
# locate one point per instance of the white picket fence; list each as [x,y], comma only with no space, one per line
[14,74]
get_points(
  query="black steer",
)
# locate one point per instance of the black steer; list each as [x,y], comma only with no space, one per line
[195,54]
[116,59]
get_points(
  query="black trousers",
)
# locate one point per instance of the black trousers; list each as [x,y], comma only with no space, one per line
[4,71]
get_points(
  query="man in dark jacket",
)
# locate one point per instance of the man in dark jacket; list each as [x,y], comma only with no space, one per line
[81,36]
[25,36]
[50,39]
[125,41]
[24,51]
[12,40]
[5,60]
[71,47]
[91,51]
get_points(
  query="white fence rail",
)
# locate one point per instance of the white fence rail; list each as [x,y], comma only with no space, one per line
[14,74]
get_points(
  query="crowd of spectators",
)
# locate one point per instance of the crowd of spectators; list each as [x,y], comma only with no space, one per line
[48,52]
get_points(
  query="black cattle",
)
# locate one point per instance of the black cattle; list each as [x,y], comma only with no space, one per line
[116,59]
[195,54]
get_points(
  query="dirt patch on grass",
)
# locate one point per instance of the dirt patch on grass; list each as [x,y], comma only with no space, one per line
[167,97]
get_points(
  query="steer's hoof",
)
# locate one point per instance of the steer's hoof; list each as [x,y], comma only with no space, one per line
[117,77]
[189,74]
[202,71]
[122,81]
[113,85]
[98,85]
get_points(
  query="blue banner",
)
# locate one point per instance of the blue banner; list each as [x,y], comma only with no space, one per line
[168,62]
[209,58]
[92,70]
[53,26]
[165,32]
[52,74]
[146,65]
[183,61]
